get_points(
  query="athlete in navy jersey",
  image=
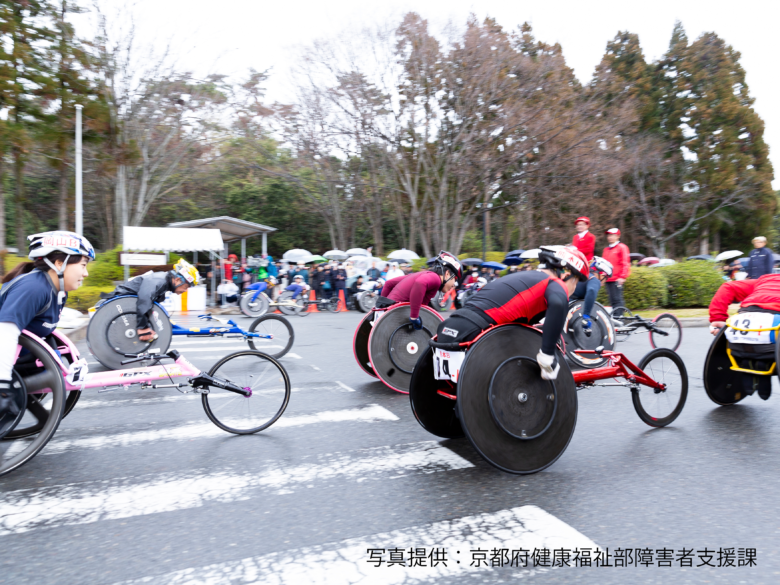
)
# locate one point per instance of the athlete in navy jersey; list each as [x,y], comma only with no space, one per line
[32,298]
[524,297]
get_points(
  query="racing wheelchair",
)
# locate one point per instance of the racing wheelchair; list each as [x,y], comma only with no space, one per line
[602,335]
[742,359]
[387,347]
[112,335]
[243,393]
[491,391]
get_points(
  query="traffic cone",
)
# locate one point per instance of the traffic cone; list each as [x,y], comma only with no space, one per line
[313,306]
[342,303]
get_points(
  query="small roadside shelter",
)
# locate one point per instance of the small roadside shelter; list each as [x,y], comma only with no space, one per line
[162,239]
[231,229]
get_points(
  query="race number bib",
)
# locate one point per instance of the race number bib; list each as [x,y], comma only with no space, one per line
[446,364]
[752,321]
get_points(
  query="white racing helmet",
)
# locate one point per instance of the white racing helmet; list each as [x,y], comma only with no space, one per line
[599,264]
[68,243]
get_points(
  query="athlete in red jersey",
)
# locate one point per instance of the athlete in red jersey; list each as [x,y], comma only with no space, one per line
[525,297]
[761,295]
[419,288]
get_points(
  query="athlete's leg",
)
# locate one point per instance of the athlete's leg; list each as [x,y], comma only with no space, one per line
[592,291]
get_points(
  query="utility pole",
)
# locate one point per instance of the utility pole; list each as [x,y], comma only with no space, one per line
[79,202]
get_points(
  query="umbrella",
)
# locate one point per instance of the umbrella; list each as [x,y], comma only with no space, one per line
[357,252]
[403,254]
[700,257]
[296,255]
[649,260]
[360,263]
[664,262]
[513,260]
[494,265]
[515,252]
[336,255]
[315,258]
[728,255]
[636,256]
[744,261]
[530,254]
[471,262]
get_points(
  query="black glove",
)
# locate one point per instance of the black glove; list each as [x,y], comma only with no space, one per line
[416,323]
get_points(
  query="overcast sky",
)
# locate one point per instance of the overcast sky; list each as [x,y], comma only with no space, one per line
[232,36]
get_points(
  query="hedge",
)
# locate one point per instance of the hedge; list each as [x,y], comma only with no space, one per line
[645,287]
[692,283]
[85,296]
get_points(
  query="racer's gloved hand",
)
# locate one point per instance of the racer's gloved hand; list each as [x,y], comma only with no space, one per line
[549,364]
[416,323]
[587,326]
[146,334]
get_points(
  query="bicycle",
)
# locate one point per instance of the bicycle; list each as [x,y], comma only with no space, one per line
[112,331]
[226,390]
[664,330]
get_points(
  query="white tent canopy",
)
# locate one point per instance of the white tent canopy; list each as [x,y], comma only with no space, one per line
[165,239]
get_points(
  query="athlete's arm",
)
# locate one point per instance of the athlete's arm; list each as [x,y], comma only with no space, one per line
[19,308]
[146,294]
[555,318]
[734,291]
[424,287]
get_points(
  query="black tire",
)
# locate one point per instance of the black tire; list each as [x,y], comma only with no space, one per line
[260,307]
[242,415]
[366,301]
[435,413]
[303,310]
[34,426]
[659,408]
[111,332]
[672,327]
[360,345]
[14,453]
[332,305]
[277,326]
[722,384]
[618,313]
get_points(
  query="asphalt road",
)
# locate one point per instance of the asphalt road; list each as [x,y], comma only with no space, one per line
[140,486]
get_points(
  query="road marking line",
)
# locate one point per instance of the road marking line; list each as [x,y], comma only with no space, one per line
[343,385]
[202,430]
[315,367]
[93,501]
[526,527]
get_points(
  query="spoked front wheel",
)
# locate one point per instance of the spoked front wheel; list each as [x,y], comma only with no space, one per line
[280,330]
[666,332]
[657,407]
[264,377]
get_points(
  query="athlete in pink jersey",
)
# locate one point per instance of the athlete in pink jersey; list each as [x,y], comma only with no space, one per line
[419,288]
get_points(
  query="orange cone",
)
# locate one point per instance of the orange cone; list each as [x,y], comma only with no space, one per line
[313,306]
[342,303]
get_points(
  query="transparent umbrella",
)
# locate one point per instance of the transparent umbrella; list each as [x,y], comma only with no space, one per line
[336,255]
[403,254]
[296,255]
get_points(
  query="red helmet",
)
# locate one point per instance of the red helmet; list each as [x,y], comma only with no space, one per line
[564,258]
[613,231]
[232,257]
[582,218]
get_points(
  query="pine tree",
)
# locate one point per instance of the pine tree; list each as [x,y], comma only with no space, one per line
[25,82]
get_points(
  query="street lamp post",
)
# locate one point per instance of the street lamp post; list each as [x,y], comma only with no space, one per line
[79,203]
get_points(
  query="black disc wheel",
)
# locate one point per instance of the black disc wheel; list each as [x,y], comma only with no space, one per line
[620,319]
[360,345]
[495,354]
[602,334]
[366,301]
[332,305]
[441,302]
[256,308]
[40,374]
[276,326]
[112,332]
[722,384]
[659,407]
[666,332]
[270,390]
[520,406]
[435,413]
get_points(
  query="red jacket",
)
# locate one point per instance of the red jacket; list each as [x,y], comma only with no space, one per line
[762,292]
[621,263]
[585,244]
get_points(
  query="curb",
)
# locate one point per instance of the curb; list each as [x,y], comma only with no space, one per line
[694,321]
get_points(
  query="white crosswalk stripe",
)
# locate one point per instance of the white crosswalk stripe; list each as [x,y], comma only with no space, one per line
[203,430]
[88,502]
[346,562]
